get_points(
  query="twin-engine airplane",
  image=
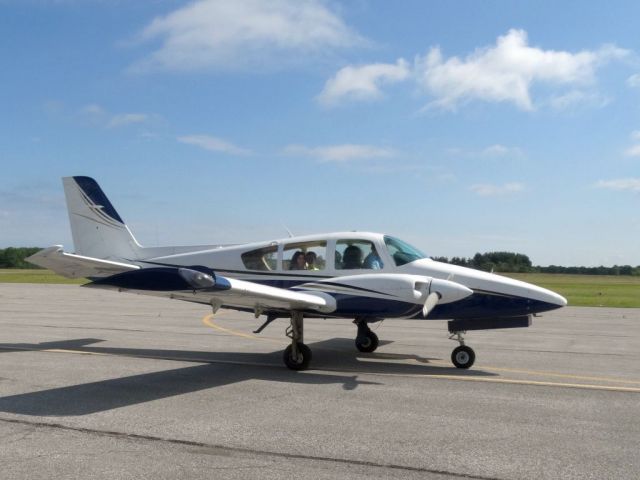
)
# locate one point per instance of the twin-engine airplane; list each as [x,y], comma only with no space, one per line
[367,277]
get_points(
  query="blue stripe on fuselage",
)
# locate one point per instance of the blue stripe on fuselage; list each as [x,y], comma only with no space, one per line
[482,304]
[479,305]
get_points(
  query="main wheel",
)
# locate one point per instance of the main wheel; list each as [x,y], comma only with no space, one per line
[299,363]
[463,356]
[368,342]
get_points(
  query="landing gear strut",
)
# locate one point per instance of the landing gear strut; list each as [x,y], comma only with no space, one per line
[366,340]
[297,355]
[462,356]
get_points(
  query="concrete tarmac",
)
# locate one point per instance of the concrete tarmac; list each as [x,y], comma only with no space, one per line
[96,384]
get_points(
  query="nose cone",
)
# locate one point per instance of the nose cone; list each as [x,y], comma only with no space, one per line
[542,299]
[554,298]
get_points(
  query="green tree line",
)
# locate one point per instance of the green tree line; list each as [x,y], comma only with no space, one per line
[505,262]
[509,262]
[14,257]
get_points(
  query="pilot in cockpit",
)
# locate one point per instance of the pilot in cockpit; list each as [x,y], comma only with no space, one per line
[352,257]
[372,260]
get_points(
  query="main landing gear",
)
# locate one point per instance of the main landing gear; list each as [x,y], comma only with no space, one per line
[462,356]
[297,355]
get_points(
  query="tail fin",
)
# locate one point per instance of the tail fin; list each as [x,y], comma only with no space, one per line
[98,231]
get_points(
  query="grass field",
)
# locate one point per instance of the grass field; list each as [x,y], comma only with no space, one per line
[34,276]
[588,290]
[580,290]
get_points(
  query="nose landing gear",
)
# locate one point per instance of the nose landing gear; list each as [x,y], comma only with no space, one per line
[462,356]
[366,340]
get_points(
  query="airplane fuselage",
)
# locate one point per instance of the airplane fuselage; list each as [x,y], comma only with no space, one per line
[358,291]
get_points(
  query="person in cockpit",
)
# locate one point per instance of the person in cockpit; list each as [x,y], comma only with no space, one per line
[311,259]
[372,260]
[352,257]
[298,261]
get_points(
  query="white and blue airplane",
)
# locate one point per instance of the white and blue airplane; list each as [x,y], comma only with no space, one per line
[362,276]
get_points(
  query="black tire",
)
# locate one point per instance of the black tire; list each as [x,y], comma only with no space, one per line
[463,356]
[368,342]
[303,360]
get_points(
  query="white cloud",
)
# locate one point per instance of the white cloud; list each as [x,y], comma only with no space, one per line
[506,71]
[341,153]
[634,80]
[489,190]
[213,144]
[124,119]
[493,151]
[98,116]
[92,109]
[223,35]
[362,82]
[576,98]
[632,184]
[498,150]
[633,151]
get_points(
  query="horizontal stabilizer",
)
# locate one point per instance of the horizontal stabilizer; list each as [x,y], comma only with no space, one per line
[77,266]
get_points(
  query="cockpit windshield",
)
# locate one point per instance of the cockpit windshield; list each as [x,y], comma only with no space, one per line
[402,252]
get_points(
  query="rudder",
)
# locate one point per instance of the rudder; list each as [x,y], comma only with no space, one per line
[98,230]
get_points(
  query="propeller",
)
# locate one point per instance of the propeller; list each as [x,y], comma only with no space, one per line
[442,291]
[430,303]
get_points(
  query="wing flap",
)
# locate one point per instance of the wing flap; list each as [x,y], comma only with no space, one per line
[77,266]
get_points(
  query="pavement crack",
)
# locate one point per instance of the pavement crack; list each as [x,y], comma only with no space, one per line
[244,450]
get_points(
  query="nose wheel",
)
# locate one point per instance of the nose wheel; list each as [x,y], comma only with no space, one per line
[462,356]
[366,340]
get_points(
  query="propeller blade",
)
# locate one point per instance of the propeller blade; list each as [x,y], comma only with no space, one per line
[429,304]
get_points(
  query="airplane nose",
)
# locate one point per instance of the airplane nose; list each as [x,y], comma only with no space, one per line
[547,296]
[558,299]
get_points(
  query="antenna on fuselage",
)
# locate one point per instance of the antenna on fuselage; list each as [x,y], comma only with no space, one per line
[288,231]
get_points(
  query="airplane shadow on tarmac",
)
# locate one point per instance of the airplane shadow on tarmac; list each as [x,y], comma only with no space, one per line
[215,369]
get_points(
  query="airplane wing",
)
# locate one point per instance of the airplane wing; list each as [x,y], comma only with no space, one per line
[201,285]
[76,266]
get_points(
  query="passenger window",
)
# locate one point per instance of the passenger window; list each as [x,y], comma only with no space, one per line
[357,254]
[261,259]
[305,256]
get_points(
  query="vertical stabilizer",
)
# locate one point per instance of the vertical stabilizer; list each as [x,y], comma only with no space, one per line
[98,231]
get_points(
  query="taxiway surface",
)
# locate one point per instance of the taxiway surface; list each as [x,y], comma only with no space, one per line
[106,385]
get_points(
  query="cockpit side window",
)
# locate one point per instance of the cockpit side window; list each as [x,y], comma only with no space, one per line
[263,259]
[305,256]
[352,254]
[402,252]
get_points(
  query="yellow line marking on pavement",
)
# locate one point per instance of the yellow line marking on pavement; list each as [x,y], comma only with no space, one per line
[517,382]
[208,320]
[64,350]
[560,375]
[148,357]
[324,371]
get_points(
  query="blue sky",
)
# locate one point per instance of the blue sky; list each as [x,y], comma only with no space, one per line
[457,126]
